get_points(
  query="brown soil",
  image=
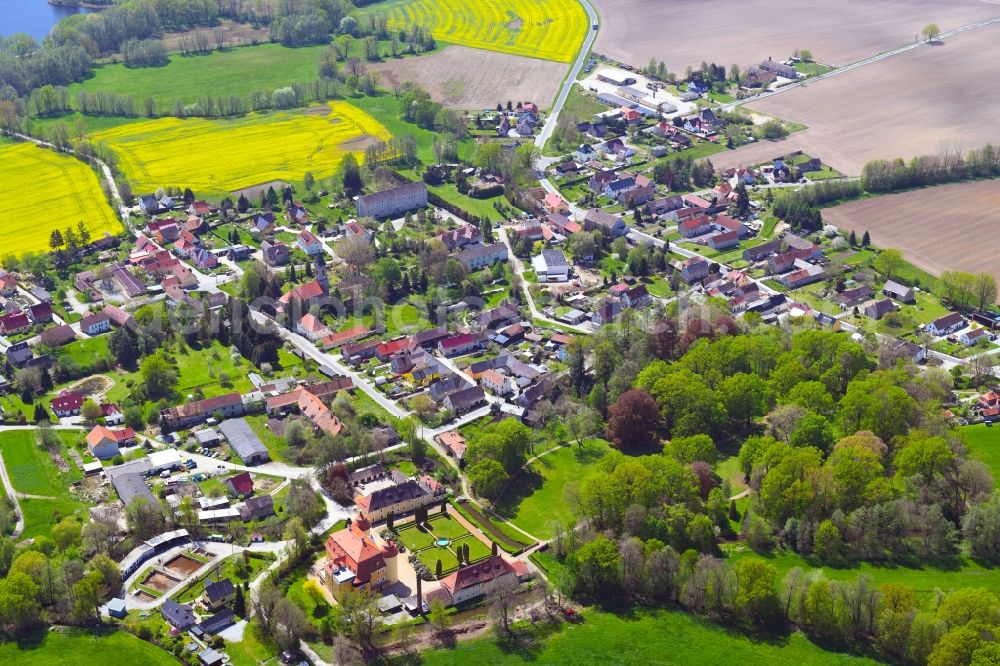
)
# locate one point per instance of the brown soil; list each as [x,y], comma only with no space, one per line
[928,100]
[360,143]
[963,239]
[254,191]
[320,110]
[142,595]
[183,565]
[465,78]
[687,32]
[159,581]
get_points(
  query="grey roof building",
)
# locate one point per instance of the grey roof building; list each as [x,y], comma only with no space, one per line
[244,441]
[177,615]
[130,486]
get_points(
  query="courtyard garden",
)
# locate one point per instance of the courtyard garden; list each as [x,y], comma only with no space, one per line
[440,539]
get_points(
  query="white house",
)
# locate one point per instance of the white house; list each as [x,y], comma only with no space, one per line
[973,336]
[550,266]
[311,327]
[168,459]
[309,243]
[946,325]
[95,324]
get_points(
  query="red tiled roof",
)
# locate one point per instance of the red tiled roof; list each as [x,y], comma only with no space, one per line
[242,483]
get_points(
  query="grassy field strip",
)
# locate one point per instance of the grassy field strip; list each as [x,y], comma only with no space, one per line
[218,156]
[51,191]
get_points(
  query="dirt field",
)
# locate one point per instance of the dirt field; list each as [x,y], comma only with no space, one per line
[965,239]
[923,101]
[686,32]
[466,78]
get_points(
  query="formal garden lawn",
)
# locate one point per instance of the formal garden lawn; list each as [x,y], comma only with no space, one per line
[422,542]
[54,648]
[641,637]
[533,499]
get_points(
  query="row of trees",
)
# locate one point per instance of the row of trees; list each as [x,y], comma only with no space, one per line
[950,166]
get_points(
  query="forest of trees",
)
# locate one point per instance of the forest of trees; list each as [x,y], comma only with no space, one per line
[848,458]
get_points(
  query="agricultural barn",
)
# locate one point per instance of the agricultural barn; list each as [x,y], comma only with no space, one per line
[244,441]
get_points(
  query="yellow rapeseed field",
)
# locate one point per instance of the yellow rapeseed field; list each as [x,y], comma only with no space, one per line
[547,29]
[217,156]
[43,190]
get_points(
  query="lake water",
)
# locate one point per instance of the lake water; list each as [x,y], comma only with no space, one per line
[35,17]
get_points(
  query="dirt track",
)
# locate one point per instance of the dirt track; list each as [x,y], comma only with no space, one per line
[924,101]
[465,78]
[951,227]
[686,32]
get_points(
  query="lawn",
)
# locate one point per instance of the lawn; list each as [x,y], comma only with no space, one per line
[58,190]
[31,468]
[252,650]
[41,514]
[221,73]
[82,647]
[422,543]
[478,207]
[811,68]
[84,352]
[984,445]
[533,500]
[924,580]
[641,637]
[221,155]
[276,446]
[546,29]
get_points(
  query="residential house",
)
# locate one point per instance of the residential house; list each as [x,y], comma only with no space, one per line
[550,266]
[309,243]
[67,403]
[600,180]
[553,203]
[239,253]
[762,251]
[607,311]
[638,195]
[454,442]
[311,327]
[694,269]
[698,225]
[899,292]
[392,202]
[497,383]
[636,297]
[973,336]
[569,166]
[112,414]
[256,508]
[584,153]
[95,323]
[353,229]
[801,276]
[179,616]
[779,68]
[240,485]
[617,188]
[296,214]
[663,206]
[563,225]
[20,354]
[849,298]
[723,240]
[877,309]
[218,593]
[946,325]
[14,323]
[480,256]
[461,343]
[8,285]
[464,400]
[755,77]
[57,336]
[193,413]
[105,443]
[204,259]
[608,224]
[262,223]
[789,259]
[387,350]
[348,336]
[275,254]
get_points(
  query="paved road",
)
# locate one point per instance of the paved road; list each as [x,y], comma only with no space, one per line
[550,123]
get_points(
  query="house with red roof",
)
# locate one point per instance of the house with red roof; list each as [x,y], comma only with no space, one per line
[355,562]
[14,323]
[67,403]
[105,443]
[462,343]
[454,442]
[476,580]
[8,285]
[354,334]
[553,203]
[311,327]
[694,226]
[240,485]
[308,243]
[387,350]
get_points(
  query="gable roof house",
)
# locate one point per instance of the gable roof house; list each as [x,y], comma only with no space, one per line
[393,500]
[636,297]
[241,484]
[723,240]
[57,336]
[762,251]
[779,68]
[463,235]
[608,224]
[218,593]
[256,508]
[972,336]
[179,616]
[192,413]
[947,324]
[275,254]
[464,400]
[899,292]
[694,269]
[311,327]
[855,296]
[461,343]
[697,225]
[14,323]
[480,256]
[309,243]
[550,266]
[878,308]
[105,443]
[475,580]
[67,403]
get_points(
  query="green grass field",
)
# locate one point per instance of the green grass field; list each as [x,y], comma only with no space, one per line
[84,352]
[641,638]
[82,647]
[186,78]
[44,191]
[534,501]
[221,155]
[924,580]
[984,445]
